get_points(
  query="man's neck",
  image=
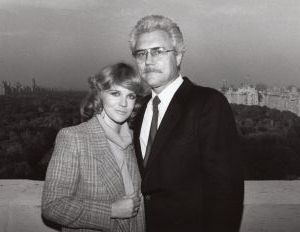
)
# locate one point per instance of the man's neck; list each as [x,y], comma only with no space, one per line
[159,89]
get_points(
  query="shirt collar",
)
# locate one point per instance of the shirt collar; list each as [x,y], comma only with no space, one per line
[166,95]
[123,140]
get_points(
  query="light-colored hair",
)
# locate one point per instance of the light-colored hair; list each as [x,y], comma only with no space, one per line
[152,23]
[121,74]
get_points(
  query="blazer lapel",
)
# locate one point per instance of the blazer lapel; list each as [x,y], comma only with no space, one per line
[108,167]
[132,168]
[171,118]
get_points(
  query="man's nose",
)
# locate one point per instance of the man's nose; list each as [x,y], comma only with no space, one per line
[148,58]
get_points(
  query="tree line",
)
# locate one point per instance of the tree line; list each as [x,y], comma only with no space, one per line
[270,139]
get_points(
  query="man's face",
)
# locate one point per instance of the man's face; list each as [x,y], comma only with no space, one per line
[158,69]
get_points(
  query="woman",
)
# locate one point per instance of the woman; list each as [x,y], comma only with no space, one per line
[92,181]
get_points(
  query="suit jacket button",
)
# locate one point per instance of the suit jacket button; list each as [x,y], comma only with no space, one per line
[148,197]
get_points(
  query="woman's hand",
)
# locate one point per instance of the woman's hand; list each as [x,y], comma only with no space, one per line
[126,207]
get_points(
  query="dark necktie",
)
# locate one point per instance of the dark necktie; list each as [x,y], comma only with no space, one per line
[153,128]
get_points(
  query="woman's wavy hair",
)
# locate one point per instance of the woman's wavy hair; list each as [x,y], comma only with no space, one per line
[121,74]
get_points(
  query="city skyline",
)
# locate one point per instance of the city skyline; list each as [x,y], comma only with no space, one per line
[61,43]
[281,98]
[224,84]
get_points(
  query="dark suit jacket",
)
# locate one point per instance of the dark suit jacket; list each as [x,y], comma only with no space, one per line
[193,180]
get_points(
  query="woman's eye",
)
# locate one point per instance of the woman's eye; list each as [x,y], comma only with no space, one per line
[132,96]
[115,93]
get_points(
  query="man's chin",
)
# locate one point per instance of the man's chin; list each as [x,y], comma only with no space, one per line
[150,75]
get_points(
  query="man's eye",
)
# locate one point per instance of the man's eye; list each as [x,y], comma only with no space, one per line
[140,54]
[157,52]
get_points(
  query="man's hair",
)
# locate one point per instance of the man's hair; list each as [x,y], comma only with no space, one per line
[117,74]
[152,23]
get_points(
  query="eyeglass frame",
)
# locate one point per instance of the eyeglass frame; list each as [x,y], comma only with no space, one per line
[146,52]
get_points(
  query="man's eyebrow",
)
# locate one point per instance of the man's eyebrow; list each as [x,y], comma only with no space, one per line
[148,48]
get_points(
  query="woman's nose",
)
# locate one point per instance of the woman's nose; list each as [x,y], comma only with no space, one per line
[123,101]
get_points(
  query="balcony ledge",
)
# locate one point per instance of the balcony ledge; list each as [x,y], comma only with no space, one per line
[269,206]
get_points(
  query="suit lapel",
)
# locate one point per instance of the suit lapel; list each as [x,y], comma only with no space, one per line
[170,120]
[108,167]
[137,132]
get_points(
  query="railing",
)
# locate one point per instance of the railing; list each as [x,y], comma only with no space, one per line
[269,206]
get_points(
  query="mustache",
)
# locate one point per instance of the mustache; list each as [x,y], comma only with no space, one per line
[148,70]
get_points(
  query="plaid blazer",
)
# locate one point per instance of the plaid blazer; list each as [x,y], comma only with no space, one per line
[83,180]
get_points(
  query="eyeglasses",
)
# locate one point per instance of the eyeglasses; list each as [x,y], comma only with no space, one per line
[155,52]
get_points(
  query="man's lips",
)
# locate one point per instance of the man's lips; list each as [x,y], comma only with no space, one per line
[149,70]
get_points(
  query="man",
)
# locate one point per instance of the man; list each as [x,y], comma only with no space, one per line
[185,140]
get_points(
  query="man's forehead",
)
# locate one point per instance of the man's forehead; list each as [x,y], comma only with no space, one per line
[152,39]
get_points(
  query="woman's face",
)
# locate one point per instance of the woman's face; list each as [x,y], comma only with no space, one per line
[118,103]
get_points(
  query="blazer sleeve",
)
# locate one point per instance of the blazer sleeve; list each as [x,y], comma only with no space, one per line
[140,218]
[59,201]
[222,164]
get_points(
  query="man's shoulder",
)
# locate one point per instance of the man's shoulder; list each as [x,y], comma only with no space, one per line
[202,93]
[204,90]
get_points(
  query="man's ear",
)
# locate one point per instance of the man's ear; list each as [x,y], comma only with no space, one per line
[179,59]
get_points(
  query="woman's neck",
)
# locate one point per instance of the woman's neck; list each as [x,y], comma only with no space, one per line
[113,125]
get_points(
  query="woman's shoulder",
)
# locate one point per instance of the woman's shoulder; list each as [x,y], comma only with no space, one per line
[83,129]
[79,129]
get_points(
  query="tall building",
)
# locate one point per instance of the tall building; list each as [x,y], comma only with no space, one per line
[278,98]
[245,95]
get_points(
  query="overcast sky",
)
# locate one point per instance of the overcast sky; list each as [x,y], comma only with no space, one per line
[61,42]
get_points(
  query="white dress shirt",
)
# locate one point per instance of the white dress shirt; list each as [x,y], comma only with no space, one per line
[165,98]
